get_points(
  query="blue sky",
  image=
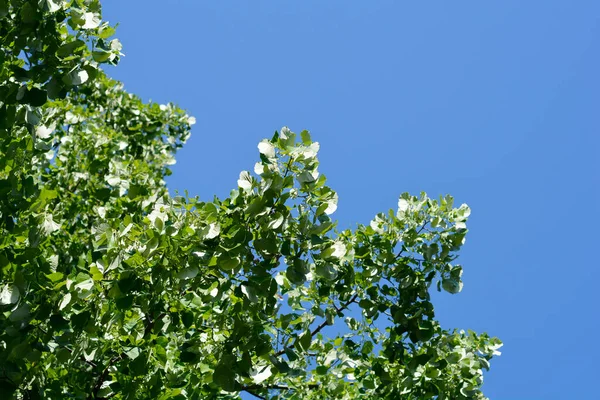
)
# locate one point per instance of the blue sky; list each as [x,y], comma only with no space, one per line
[495,102]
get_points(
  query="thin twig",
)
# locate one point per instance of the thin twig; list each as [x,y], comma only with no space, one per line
[258,396]
[323,324]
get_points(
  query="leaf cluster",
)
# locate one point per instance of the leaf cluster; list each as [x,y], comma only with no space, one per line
[112,288]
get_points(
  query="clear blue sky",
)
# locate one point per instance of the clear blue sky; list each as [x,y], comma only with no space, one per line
[494,102]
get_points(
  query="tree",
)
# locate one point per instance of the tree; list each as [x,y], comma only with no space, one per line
[112,288]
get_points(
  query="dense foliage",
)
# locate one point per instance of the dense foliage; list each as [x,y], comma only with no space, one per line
[111,288]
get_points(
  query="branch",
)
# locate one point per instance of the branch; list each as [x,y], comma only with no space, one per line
[249,388]
[287,167]
[150,323]
[418,232]
[342,308]
[70,350]
[322,324]
[102,377]
[258,396]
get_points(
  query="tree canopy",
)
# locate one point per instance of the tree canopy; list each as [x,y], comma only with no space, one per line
[112,288]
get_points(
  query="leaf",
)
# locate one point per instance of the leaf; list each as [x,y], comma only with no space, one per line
[55,276]
[367,348]
[228,264]
[452,285]
[54,88]
[305,136]
[295,273]
[211,231]
[331,204]
[266,245]
[326,271]
[267,149]
[133,353]
[91,20]
[3,8]
[76,78]
[250,293]
[43,132]
[32,116]
[305,340]
[49,225]
[245,180]
[106,32]
[101,55]
[35,97]
[260,376]
[52,6]
[71,48]
[85,285]
[28,13]
[282,366]
[307,177]
[96,274]
[9,295]
[188,273]
[403,205]
[331,356]
[65,301]
[276,221]
[321,370]
[310,152]
[224,377]
[464,211]
[116,46]
[114,264]
[336,250]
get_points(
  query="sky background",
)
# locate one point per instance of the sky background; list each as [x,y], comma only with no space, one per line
[495,102]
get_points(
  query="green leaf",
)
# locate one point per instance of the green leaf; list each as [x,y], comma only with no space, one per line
[249,292]
[133,353]
[188,273]
[326,271]
[89,20]
[55,277]
[96,274]
[211,231]
[101,55]
[276,221]
[65,301]
[76,78]
[224,377]
[29,14]
[187,318]
[267,149]
[228,264]
[35,97]
[52,6]
[306,139]
[321,370]
[307,177]
[266,245]
[245,180]
[9,295]
[260,376]
[304,340]
[3,8]
[452,285]
[106,32]
[72,48]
